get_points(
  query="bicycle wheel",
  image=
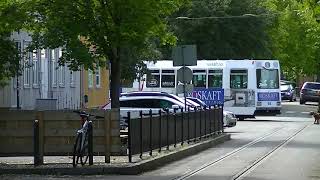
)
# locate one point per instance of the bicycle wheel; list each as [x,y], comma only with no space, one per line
[76,150]
[84,150]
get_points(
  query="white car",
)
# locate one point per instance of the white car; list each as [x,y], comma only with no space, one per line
[229,118]
[144,101]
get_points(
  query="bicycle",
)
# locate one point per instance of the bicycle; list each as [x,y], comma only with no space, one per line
[81,145]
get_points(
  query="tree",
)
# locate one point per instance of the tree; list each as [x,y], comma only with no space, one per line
[97,31]
[295,36]
[133,68]
[12,17]
[237,37]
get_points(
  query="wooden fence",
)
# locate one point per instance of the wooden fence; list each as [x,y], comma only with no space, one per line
[57,131]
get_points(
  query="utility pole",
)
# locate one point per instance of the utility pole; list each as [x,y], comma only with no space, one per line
[18,91]
[184,80]
[18,46]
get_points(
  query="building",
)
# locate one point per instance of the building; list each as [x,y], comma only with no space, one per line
[46,85]
[95,87]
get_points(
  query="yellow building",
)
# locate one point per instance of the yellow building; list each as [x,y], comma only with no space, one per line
[95,87]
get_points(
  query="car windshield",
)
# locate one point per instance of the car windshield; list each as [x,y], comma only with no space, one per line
[312,86]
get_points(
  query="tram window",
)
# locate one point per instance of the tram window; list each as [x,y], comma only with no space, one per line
[168,71]
[167,81]
[153,79]
[199,71]
[167,78]
[239,79]
[199,80]
[215,78]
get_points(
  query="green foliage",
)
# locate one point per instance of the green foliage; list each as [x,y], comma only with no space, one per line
[97,31]
[296,36]
[90,31]
[132,67]
[4,82]
[12,17]
[224,38]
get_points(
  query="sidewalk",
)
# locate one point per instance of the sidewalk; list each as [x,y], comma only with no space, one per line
[62,165]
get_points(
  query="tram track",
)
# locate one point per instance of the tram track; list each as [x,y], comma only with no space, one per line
[259,161]
[196,171]
[250,167]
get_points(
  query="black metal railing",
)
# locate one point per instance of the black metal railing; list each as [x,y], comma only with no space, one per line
[151,132]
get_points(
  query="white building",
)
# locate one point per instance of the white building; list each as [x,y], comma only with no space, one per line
[42,80]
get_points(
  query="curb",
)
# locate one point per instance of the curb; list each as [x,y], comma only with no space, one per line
[134,169]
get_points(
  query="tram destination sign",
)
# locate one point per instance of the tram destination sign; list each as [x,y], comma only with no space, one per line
[268,96]
[211,96]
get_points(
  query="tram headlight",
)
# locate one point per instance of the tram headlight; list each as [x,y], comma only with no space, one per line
[259,103]
[278,103]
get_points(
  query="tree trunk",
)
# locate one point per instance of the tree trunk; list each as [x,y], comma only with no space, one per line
[115,79]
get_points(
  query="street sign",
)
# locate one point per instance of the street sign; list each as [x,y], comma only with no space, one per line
[189,88]
[185,55]
[184,75]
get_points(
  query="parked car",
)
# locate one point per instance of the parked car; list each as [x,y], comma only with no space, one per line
[288,91]
[146,101]
[159,94]
[198,101]
[229,118]
[310,91]
[123,119]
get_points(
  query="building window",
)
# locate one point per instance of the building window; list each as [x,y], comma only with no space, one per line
[167,78]
[199,78]
[62,72]
[90,78]
[153,79]
[54,65]
[72,78]
[98,80]
[26,66]
[35,68]
[215,79]
[239,79]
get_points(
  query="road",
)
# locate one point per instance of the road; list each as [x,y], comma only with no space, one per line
[267,147]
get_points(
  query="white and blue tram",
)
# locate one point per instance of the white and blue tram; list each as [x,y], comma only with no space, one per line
[249,85]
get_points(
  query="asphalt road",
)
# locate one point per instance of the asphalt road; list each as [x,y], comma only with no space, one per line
[286,146]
